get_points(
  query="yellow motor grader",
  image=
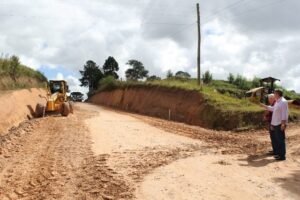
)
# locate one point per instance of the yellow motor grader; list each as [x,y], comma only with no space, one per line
[57,100]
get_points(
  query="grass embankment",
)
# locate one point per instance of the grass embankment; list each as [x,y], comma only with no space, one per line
[212,93]
[14,75]
[218,93]
[223,96]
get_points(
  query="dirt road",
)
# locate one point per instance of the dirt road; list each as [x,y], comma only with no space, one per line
[99,153]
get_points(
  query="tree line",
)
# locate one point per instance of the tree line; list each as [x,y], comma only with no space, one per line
[242,82]
[92,74]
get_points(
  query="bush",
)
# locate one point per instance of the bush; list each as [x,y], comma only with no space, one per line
[169,74]
[182,75]
[153,78]
[241,82]
[231,78]
[108,83]
[255,82]
[207,77]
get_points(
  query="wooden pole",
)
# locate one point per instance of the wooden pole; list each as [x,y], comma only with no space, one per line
[199,46]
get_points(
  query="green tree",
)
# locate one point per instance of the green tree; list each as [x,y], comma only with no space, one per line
[153,78]
[14,67]
[231,78]
[108,83]
[241,82]
[137,70]
[4,64]
[182,75]
[91,74]
[110,67]
[169,74]
[255,82]
[207,77]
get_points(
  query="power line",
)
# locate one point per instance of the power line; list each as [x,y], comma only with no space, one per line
[181,30]
[165,23]
[235,4]
[265,5]
[247,11]
[184,25]
[245,29]
[221,10]
[190,25]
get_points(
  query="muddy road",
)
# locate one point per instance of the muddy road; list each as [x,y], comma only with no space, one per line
[99,153]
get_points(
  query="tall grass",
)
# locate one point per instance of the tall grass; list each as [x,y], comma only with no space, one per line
[25,76]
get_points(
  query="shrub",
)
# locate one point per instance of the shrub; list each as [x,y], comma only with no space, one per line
[182,75]
[231,78]
[108,83]
[153,78]
[207,77]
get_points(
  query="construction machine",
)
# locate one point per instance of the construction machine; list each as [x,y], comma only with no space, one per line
[56,100]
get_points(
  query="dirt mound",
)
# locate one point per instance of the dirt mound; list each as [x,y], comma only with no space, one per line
[178,105]
[18,106]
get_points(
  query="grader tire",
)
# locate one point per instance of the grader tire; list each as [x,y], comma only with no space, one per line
[65,109]
[39,110]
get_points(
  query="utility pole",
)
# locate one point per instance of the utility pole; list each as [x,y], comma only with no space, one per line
[199,46]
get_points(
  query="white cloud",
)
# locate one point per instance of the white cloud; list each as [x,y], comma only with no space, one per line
[252,38]
[59,76]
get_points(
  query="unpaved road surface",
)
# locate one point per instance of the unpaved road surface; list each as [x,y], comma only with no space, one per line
[99,153]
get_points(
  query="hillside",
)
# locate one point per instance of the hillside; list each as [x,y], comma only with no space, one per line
[218,105]
[14,75]
[19,106]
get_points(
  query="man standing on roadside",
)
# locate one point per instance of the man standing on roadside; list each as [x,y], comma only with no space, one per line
[268,119]
[279,122]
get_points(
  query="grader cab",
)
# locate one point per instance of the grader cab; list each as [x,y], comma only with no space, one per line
[267,86]
[56,100]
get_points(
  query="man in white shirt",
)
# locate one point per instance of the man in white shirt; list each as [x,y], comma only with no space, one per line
[268,119]
[279,122]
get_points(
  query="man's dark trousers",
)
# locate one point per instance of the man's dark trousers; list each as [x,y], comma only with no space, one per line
[273,141]
[280,141]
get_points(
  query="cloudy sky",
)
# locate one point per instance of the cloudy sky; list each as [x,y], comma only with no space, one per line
[249,37]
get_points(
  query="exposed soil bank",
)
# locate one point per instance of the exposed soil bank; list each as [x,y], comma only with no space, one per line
[17,106]
[180,105]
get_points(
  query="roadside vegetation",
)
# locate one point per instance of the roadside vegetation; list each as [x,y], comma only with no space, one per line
[14,75]
[226,95]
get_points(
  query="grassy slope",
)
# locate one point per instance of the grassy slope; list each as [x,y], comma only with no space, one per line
[224,101]
[26,78]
